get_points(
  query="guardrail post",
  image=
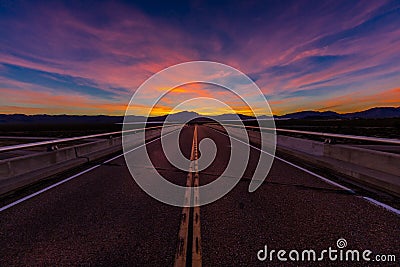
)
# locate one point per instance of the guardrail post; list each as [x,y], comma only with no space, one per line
[329,140]
[52,148]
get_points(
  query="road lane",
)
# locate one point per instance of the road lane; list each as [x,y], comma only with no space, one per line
[99,218]
[104,218]
[291,210]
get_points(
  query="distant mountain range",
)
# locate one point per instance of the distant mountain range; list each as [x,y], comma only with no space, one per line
[373,113]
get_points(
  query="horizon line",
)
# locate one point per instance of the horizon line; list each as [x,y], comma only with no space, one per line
[189,111]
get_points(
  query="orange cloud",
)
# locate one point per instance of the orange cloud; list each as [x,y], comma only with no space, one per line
[192,91]
[123,54]
[33,102]
[355,101]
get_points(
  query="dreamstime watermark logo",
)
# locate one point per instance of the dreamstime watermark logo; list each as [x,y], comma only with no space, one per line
[341,243]
[146,97]
[338,253]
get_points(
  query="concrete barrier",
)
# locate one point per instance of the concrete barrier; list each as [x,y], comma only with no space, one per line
[21,171]
[376,160]
[20,165]
[376,169]
[303,145]
[12,183]
[372,159]
[98,149]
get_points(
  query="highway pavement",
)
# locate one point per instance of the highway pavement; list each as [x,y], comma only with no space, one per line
[102,217]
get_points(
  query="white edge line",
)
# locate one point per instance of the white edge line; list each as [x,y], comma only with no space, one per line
[293,165]
[75,175]
[370,200]
[47,188]
[382,205]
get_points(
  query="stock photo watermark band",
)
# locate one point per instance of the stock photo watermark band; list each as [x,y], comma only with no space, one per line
[339,253]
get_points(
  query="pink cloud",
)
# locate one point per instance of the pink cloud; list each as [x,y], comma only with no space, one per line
[121,54]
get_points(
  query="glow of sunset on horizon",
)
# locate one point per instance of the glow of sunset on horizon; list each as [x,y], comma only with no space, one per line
[202,95]
[68,58]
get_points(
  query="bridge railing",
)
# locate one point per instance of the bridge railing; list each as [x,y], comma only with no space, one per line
[376,169]
[22,170]
[69,139]
[329,135]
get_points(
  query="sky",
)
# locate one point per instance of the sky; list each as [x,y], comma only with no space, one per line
[89,57]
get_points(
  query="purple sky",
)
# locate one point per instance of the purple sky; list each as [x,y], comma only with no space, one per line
[88,58]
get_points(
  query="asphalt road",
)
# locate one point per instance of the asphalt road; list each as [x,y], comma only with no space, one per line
[291,210]
[103,217]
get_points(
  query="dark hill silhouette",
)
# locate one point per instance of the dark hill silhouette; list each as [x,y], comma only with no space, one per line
[373,113]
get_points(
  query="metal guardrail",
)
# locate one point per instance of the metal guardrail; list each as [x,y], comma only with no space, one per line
[344,136]
[331,135]
[64,140]
[325,135]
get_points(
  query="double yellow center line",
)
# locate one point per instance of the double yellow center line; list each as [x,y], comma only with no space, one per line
[188,251]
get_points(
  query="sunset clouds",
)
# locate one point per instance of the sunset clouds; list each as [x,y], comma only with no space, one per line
[88,58]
